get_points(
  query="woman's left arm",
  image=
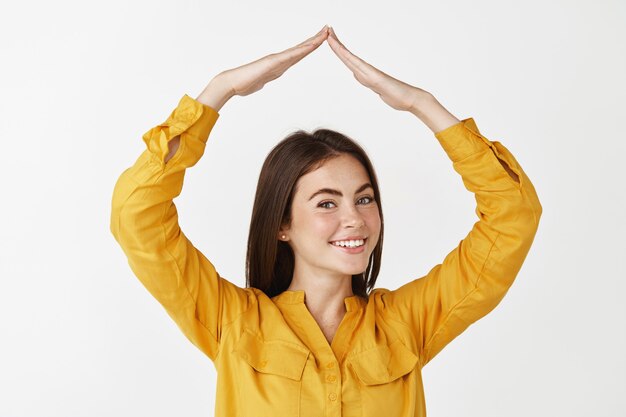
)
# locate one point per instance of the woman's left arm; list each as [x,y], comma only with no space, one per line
[474,277]
[398,94]
[426,107]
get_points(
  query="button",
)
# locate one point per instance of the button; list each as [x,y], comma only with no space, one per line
[330,365]
[331,378]
[262,364]
[332,396]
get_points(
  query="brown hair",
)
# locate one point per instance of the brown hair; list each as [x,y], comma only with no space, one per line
[269,261]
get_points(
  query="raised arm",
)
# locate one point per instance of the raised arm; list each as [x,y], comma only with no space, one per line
[428,109]
[144,219]
[474,277]
[215,95]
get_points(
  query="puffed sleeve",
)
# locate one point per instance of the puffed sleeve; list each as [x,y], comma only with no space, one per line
[144,222]
[475,276]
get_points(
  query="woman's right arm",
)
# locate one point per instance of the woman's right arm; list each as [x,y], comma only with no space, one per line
[215,95]
[144,221]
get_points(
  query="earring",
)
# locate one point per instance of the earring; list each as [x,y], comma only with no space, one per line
[283,236]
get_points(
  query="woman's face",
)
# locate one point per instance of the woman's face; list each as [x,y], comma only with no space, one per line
[335,202]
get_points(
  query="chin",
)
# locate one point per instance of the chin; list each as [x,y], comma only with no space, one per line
[356,265]
[354,270]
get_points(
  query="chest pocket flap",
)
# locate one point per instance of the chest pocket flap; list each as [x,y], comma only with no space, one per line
[275,357]
[383,364]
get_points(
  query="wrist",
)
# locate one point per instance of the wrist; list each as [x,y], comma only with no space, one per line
[421,99]
[434,115]
[215,94]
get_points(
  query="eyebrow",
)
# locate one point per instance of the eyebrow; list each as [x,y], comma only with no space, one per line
[337,192]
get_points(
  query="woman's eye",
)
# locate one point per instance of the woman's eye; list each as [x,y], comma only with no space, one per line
[363,200]
[368,198]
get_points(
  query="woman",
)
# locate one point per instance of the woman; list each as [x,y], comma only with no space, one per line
[308,336]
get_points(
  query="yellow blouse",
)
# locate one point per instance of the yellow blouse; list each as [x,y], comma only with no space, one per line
[271,357]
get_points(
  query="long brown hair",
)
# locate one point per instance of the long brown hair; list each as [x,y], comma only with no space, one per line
[269,261]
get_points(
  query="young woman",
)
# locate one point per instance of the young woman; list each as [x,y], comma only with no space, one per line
[308,335]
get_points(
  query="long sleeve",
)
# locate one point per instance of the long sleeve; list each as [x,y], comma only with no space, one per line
[475,276]
[144,221]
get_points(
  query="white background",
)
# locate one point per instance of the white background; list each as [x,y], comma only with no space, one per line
[81,82]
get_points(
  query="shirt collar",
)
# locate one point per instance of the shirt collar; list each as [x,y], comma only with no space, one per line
[353,303]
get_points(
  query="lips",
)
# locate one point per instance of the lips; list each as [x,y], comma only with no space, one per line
[351,249]
[349,238]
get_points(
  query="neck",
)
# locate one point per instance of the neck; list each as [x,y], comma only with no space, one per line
[324,297]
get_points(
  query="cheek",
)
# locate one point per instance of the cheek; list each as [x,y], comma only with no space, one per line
[323,226]
[372,218]
[317,226]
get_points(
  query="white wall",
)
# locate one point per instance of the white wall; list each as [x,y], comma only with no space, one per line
[82,82]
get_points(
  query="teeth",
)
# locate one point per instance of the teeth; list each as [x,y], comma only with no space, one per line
[349,243]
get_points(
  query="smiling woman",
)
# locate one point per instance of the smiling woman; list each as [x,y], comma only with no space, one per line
[292,205]
[309,335]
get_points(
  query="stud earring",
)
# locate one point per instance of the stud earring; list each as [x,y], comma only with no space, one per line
[283,236]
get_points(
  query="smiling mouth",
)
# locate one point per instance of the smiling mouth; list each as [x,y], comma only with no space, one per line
[350,247]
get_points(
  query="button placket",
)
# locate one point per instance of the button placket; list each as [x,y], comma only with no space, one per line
[331,378]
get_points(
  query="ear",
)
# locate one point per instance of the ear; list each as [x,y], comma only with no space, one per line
[282,234]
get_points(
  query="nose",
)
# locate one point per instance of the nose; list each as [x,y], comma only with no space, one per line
[352,217]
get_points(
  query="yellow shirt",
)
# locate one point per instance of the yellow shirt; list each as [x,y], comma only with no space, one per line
[271,357]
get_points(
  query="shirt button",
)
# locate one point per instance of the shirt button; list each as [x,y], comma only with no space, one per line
[332,396]
[331,378]
[262,364]
[330,365]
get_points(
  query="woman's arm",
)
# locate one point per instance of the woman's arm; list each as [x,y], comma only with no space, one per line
[249,78]
[398,94]
[214,95]
[144,222]
[144,218]
[432,113]
[474,277]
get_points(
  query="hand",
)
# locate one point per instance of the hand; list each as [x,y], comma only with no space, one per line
[251,77]
[397,94]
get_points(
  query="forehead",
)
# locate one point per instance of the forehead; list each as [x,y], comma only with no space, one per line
[342,172]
